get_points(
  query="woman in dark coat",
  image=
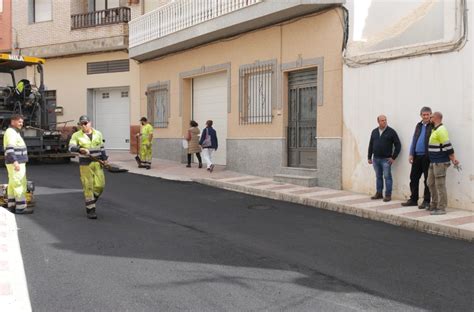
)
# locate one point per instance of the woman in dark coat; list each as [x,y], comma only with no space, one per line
[209,144]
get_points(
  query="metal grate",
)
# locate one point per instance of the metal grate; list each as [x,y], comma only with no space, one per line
[108,67]
[257,83]
[305,77]
[158,106]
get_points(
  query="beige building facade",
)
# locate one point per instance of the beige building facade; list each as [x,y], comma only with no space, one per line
[87,68]
[274,94]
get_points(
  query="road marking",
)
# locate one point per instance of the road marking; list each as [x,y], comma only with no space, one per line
[13,286]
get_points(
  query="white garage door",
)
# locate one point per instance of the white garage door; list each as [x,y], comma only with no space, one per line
[210,102]
[112,117]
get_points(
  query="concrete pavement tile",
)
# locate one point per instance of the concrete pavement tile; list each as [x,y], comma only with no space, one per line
[334,195]
[233,179]
[254,179]
[322,193]
[348,198]
[377,203]
[416,214]
[397,210]
[450,215]
[260,183]
[309,191]
[469,227]
[363,200]
[459,221]
[282,187]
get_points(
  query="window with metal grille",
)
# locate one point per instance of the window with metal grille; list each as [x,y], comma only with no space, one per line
[158,111]
[257,92]
[108,67]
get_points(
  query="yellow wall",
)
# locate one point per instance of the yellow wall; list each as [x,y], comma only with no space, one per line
[307,38]
[68,76]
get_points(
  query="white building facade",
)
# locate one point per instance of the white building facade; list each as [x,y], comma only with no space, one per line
[401,56]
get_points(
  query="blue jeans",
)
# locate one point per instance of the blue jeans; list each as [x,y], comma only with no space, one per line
[383,170]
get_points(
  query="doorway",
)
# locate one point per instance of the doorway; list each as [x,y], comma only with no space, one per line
[302,113]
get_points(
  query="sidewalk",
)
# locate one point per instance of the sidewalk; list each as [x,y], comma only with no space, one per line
[456,223]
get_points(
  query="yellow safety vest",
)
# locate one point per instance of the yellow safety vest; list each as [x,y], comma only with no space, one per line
[439,145]
[14,147]
[95,146]
[145,132]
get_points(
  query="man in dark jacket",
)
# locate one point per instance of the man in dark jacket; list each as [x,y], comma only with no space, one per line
[384,146]
[419,160]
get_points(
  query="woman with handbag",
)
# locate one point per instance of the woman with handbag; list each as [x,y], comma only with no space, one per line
[193,143]
[209,144]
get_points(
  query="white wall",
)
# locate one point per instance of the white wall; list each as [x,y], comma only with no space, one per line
[399,89]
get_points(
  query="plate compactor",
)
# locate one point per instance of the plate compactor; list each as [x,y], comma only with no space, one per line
[30,203]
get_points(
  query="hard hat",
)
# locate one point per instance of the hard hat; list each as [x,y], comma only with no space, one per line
[83,119]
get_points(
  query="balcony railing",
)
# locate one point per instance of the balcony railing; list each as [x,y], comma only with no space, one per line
[178,15]
[100,18]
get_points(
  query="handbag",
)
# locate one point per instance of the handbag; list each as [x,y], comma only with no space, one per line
[185,143]
[207,140]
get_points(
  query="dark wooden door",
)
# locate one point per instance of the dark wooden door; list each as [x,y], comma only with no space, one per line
[302,104]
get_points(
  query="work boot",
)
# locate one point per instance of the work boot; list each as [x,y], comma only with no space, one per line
[409,203]
[377,196]
[200,165]
[438,212]
[424,205]
[24,211]
[91,213]
[188,166]
[387,198]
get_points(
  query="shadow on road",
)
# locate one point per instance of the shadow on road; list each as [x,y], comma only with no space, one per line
[147,218]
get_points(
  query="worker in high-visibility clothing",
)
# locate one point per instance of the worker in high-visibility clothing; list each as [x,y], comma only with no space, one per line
[16,157]
[146,140]
[89,143]
[441,153]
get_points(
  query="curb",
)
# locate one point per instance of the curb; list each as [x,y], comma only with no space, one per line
[418,225]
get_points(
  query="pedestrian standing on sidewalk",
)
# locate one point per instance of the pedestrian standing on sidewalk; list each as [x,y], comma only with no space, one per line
[441,152]
[89,143]
[193,143]
[16,157]
[420,160]
[146,139]
[384,146]
[209,144]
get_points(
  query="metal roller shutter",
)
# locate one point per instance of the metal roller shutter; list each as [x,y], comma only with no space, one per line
[210,102]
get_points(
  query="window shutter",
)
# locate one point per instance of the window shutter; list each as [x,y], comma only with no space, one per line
[150,107]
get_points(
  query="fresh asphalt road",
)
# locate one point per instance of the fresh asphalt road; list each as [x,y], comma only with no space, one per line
[172,246]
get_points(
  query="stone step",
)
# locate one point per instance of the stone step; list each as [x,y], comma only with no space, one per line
[296,180]
[305,172]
